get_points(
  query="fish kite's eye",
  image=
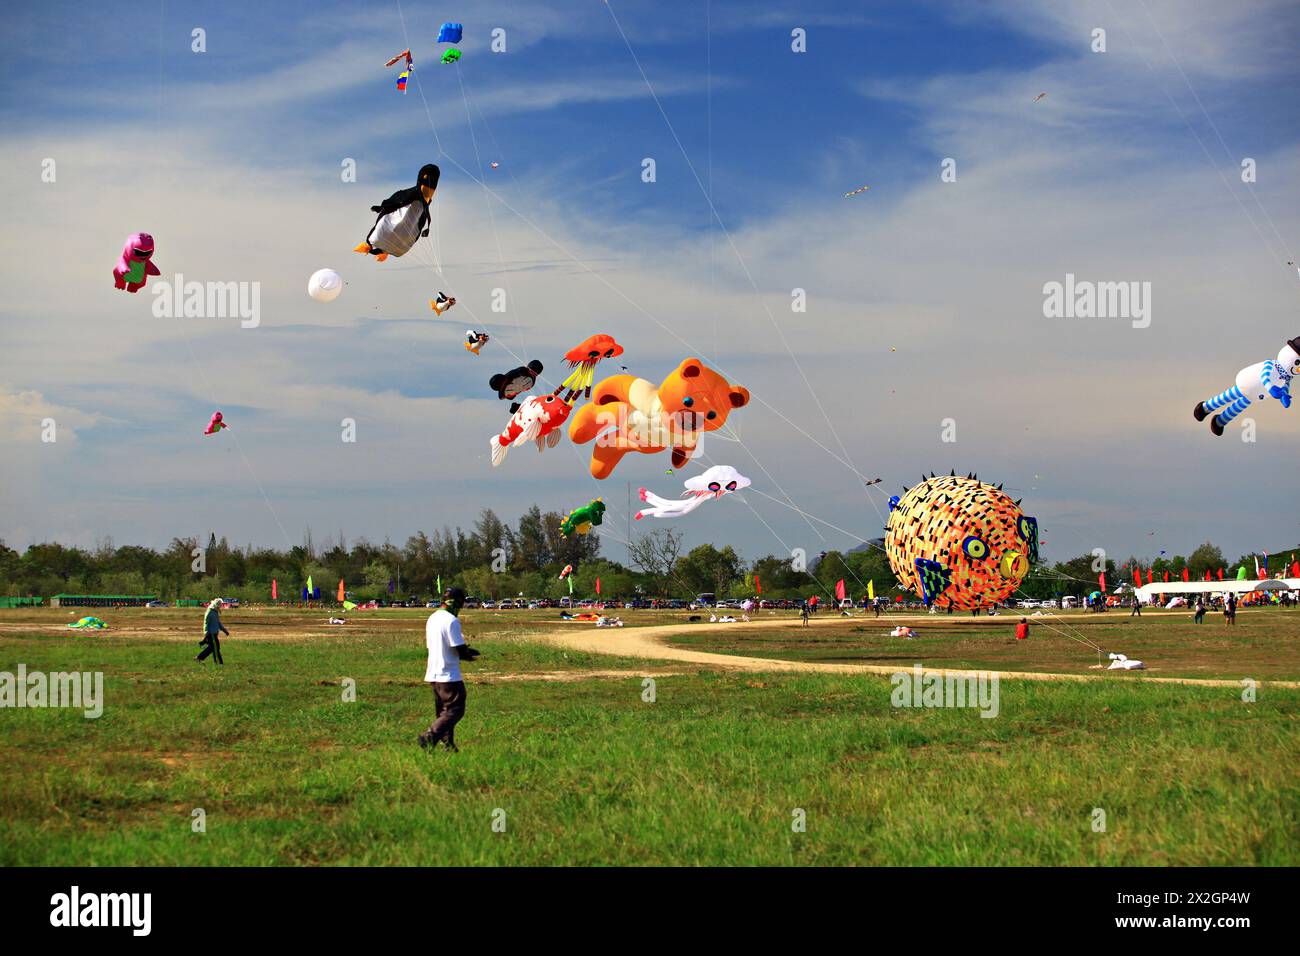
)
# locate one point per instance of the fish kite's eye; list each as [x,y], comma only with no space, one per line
[688,401]
[548,399]
[714,486]
[609,353]
[711,416]
[731,486]
[594,355]
[975,547]
[1023,528]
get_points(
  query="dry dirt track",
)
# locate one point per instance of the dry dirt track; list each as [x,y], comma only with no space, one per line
[648,642]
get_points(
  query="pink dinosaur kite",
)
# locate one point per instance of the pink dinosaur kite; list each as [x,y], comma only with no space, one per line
[215,425]
[136,263]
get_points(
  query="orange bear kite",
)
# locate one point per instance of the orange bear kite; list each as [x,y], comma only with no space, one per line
[630,414]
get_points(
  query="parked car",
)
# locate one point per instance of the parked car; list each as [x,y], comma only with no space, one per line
[489,605]
[156,604]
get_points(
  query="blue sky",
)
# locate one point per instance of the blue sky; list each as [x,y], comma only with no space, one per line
[1128,170]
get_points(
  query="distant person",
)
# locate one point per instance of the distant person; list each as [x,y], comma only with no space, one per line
[1230,610]
[1022,630]
[447,648]
[1137,607]
[1199,616]
[875,606]
[212,627]
[803,613]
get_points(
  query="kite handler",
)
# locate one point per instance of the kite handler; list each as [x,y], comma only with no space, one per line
[447,648]
[212,627]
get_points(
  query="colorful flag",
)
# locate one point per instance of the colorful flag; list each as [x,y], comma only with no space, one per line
[758,587]
[839,590]
[1137,578]
[871,589]
[1101,580]
[440,587]
[570,580]
[1257,569]
[401,80]
[390,585]
[1151,575]
[1220,574]
[1186,575]
[1241,573]
[341,595]
[310,589]
[597,585]
[1166,577]
[275,595]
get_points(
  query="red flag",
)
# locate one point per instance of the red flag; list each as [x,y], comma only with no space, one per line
[597,585]
[1295,570]
[839,590]
[342,595]
[1220,574]
[758,587]
[1101,580]
[1137,578]
[1207,574]
[274,595]
[1151,575]
[1166,577]
[1186,577]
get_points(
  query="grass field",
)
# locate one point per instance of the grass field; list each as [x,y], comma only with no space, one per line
[559,743]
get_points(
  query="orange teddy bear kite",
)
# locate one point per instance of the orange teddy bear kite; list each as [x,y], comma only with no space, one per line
[631,414]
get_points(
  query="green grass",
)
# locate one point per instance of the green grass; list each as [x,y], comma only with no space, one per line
[588,773]
[1265,644]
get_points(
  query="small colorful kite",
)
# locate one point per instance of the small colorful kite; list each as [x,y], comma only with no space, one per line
[442,303]
[581,520]
[450,56]
[494,165]
[475,340]
[583,359]
[860,189]
[449,33]
[135,264]
[713,483]
[1039,97]
[536,419]
[568,569]
[402,77]
[215,424]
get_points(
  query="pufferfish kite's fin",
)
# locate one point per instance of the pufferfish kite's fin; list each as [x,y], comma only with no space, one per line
[935,578]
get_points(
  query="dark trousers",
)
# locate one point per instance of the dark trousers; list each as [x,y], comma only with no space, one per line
[448,708]
[211,645]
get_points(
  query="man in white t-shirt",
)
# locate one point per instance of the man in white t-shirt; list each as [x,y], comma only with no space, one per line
[447,648]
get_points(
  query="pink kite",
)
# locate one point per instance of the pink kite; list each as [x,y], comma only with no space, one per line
[215,424]
[136,263]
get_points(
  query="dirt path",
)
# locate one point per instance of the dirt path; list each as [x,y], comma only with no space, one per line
[649,643]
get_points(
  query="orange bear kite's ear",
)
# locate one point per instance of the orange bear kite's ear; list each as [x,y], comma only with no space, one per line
[690,368]
[739,396]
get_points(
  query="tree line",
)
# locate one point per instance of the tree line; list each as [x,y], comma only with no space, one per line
[496,559]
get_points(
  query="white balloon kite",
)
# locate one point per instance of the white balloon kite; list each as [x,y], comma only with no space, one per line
[324,285]
[1267,379]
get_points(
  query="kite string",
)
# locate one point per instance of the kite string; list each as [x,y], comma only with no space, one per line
[735,249]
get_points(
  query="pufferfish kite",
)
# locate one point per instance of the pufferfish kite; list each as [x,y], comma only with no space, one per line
[135,265]
[959,543]
[713,483]
[583,359]
[1270,378]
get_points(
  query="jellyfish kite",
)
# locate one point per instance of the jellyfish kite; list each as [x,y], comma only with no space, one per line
[583,359]
[713,483]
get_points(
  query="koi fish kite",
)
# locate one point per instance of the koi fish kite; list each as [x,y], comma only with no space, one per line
[538,420]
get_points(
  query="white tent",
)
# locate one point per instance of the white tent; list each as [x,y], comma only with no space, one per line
[1151,592]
